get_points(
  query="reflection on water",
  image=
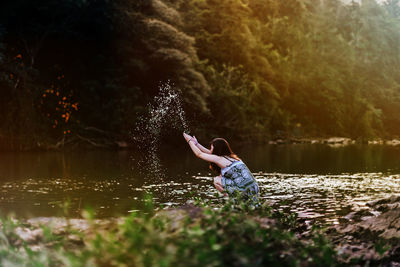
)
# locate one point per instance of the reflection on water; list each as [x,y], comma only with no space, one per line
[326,196]
[314,181]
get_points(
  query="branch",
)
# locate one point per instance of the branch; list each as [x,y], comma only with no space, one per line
[90,141]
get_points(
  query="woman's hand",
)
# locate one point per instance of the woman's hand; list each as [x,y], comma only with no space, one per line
[195,140]
[187,137]
[202,152]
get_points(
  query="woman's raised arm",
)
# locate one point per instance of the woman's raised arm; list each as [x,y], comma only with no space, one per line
[205,156]
[202,148]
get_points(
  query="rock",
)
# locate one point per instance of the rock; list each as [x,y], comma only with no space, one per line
[374,224]
[350,216]
[75,239]
[308,215]
[391,233]
[265,223]
[59,225]
[386,204]
[385,225]
[193,211]
[36,248]
[360,215]
[364,251]
[393,142]
[390,200]
[295,141]
[376,142]
[281,142]
[28,235]
[177,216]
[339,140]
[348,229]
[368,235]
[63,226]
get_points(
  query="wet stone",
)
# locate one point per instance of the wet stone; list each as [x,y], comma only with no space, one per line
[28,235]
[374,239]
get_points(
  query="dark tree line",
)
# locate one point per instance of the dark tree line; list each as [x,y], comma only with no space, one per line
[75,71]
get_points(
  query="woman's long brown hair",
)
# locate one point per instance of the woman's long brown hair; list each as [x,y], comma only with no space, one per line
[221,148]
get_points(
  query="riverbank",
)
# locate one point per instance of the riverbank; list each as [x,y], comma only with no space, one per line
[201,234]
[335,141]
[80,142]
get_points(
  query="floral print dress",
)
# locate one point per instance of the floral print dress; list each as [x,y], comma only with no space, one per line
[237,178]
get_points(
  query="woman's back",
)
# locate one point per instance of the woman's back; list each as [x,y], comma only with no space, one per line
[236,177]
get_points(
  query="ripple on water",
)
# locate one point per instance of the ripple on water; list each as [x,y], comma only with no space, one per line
[331,196]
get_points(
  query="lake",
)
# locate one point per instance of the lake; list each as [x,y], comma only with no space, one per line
[315,181]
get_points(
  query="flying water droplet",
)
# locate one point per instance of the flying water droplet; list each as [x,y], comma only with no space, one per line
[166,111]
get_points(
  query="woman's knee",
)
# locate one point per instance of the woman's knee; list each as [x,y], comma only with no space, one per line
[217,180]
[218,183]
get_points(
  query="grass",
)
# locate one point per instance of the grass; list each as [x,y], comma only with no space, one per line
[228,235]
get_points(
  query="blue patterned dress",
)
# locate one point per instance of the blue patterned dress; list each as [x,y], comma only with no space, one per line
[237,178]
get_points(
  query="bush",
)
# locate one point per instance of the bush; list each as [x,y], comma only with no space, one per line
[193,235]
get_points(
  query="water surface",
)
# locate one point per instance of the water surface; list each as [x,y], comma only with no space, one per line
[313,180]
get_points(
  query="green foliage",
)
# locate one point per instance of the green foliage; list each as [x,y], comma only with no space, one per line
[323,65]
[217,236]
[112,57]
[381,246]
[152,49]
[231,103]
[253,70]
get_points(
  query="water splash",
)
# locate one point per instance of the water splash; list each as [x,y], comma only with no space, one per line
[166,111]
[167,108]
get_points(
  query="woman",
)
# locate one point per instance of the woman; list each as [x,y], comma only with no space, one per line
[234,176]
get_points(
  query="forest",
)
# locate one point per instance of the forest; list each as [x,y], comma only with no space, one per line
[251,70]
